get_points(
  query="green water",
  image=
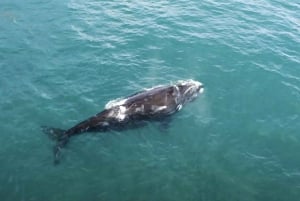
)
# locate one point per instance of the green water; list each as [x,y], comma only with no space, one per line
[62,60]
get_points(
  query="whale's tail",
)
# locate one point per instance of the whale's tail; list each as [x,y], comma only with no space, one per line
[61,138]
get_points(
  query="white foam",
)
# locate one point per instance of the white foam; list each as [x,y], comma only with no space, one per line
[115,102]
[190,82]
[148,89]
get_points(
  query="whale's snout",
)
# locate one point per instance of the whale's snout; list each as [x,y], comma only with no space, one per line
[200,87]
[189,90]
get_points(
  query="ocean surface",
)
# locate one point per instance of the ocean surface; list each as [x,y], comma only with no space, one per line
[61,61]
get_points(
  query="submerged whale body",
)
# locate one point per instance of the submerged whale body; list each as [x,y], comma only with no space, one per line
[133,111]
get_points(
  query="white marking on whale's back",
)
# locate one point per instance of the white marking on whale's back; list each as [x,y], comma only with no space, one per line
[122,101]
[121,115]
[140,109]
[157,108]
[119,110]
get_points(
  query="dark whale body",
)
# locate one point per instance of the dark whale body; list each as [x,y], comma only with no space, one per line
[133,111]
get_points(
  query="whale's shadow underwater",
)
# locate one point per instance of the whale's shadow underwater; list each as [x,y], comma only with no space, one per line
[154,104]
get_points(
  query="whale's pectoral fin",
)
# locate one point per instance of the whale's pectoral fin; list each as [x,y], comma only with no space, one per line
[164,124]
[53,133]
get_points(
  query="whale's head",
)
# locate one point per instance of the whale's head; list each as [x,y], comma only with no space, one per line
[189,90]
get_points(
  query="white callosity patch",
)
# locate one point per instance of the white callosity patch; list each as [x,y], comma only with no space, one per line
[178,107]
[194,85]
[189,91]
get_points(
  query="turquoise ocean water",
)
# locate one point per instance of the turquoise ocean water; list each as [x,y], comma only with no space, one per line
[62,60]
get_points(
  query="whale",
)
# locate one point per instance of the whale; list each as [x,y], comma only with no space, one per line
[136,110]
